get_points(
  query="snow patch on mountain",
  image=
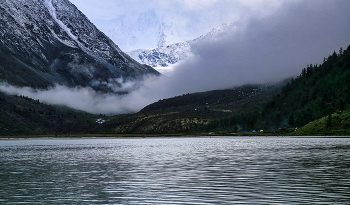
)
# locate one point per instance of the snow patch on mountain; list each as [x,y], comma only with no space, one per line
[49,42]
[168,56]
[52,12]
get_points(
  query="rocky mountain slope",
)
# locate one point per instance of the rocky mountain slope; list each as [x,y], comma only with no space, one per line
[47,42]
[169,55]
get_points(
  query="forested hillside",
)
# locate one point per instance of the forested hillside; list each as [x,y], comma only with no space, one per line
[318,91]
[191,113]
[21,115]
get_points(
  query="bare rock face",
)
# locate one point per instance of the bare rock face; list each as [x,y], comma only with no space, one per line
[47,42]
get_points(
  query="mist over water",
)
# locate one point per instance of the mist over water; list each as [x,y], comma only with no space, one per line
[263,49]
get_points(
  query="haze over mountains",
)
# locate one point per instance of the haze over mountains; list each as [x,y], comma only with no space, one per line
[262,49]
[149,24]
[45,43]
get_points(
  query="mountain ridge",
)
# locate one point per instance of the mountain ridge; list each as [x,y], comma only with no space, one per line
[189,113]
[167,56]
[48,42]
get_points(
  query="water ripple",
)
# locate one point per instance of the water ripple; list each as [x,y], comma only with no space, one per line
[175,171]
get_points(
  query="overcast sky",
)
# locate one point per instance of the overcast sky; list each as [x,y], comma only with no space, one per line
[135,24]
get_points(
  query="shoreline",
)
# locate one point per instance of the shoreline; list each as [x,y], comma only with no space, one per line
[101,136]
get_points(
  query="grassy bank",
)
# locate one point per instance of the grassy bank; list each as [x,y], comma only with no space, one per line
[337,124]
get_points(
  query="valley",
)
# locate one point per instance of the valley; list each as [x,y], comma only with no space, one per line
[48,43]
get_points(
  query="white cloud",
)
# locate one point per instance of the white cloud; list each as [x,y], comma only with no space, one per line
[85,99]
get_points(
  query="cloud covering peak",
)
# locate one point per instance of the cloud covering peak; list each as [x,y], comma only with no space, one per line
[267,49]
[137,24]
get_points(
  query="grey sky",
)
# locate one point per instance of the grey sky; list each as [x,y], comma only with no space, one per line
[135,24]
[267,49]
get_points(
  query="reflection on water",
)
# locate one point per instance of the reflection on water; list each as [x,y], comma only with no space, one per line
[175,171]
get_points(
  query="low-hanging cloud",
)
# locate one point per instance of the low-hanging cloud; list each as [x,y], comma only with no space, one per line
[80,98]
[262,50]
[267,49]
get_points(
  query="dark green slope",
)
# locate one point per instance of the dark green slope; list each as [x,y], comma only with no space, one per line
[25,116]
[333,124]
[318,91]
[192,112]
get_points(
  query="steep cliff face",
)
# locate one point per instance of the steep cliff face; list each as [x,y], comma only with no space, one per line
[47,42]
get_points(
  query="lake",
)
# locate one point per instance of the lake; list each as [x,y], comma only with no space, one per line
[184,170]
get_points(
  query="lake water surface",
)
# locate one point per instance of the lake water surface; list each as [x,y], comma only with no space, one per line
[198,170]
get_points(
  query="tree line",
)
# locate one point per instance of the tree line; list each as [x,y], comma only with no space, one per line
[318,91]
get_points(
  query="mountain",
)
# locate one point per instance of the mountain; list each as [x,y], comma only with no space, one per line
[167,56]
[132,29]
[192,113]
[318,91]
[21,115]
[316,99]
[47,42]
[163,56]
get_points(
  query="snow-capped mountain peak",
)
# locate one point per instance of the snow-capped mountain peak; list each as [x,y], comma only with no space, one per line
[169,55]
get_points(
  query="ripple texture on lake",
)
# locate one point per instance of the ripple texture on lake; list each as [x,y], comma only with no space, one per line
[220,170]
